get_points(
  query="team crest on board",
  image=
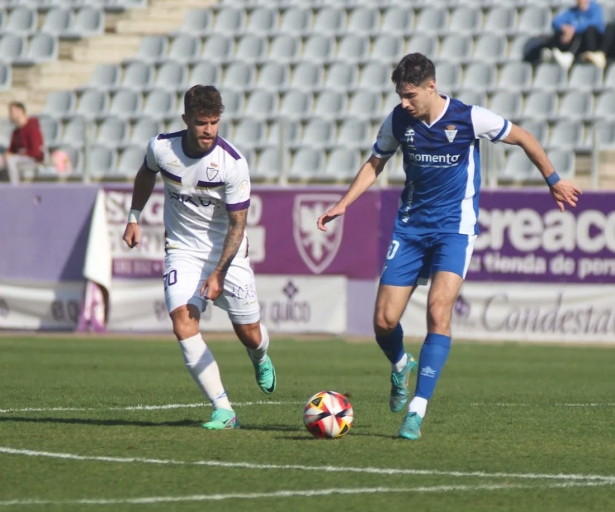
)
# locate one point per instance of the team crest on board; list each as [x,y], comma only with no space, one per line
[451,131]
[212,172]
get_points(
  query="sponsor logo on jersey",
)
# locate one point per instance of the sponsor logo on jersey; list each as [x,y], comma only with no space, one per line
[409,135]
[316,248]
[433,159]
[174,163]
[451,131]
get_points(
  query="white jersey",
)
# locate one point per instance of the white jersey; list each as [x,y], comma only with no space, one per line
[199,192]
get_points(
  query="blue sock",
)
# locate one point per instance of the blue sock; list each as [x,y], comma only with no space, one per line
[393,344]
[433,357]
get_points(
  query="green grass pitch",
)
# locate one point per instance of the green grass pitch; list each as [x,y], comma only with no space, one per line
[511,427]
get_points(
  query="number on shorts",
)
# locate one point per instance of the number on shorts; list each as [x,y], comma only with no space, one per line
[392,249]
[170,278]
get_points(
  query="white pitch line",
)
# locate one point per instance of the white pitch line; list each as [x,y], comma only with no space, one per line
[143,407]
[290,494]
[504,404]
[325,469]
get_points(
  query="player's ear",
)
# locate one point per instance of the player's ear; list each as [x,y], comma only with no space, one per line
[185,119]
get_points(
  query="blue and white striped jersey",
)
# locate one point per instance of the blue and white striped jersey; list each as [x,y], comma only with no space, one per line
[442,165]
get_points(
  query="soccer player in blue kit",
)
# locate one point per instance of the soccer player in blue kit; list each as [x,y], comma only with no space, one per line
[437,221]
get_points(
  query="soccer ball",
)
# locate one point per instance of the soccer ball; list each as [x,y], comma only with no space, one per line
[328,415]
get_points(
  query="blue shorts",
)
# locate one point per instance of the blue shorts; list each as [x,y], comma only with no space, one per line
[411,259]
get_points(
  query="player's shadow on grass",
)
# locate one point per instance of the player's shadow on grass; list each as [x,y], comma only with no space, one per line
[304,436]
[271,428]
[101,422]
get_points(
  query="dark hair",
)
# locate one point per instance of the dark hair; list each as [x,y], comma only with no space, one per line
[203,100]
[413,69]
[19,105]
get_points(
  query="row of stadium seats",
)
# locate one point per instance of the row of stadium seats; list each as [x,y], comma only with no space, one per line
[327,104]
[42,6]
[306,164]
[63,22]
[344,76]
[323,49]
[417,4]
[394,19]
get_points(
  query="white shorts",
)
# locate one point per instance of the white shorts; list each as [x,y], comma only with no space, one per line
[185,274]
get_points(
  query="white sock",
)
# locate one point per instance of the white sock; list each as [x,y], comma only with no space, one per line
[401,364]
[258,354]
[204,370]
[418,405]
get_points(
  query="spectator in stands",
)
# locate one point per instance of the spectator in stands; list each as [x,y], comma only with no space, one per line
[578,31]
[26,150]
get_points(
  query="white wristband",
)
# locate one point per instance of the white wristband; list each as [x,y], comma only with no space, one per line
[133,216]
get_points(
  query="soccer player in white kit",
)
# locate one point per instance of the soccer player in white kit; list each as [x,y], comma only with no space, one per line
[207,195]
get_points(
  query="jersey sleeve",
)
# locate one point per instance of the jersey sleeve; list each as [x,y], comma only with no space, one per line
[386,143]
[488,125]
[151,162]
[237,187]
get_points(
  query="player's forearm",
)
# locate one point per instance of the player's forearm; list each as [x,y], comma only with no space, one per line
[363,180]
[233,240]
[143,187]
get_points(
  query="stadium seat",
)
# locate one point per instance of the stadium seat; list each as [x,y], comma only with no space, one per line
[197,22]
[364,104]
[105,77]
[233,103]
[585,77]
[517,47]
[515,76]
[538,129]
[422,43]
[318,134]
[391,100]
[87,22]
[185,48]
[57,21]
[251,48]
[306,163]
[431,20]
[138,76]
[284,48]
[576,105]
[6,76]
[263,21]
[448,77]
[144,130]
[151,50]
[51,130]
[330,104]
[41,48]
[341,76]
[175,125]
[318,49]
[291,131]
[355,133]
[296,21]
[609,79]
[604,133]
[92,104]
[549,77]
[229,21]
[13,47]
[507,104]
[218,48]
[490,48]
[353,48]
[472,97]
[130,161]
[465,20]
[205,73]
[102,161]
[364,21]
[250,133]
[307,76]
[376,76]
[126,103]
[518,167]
[60,104]
[261,104]
[567,135]
[535,20]
[172,76]
[564,161]
[273,76]
[397,21]
[239,76]
[479,76]
[456,48]
[296,104]
[329,21]
[540,105]
[500,20]
[268,165]
[74,132]
[605,106]
[387,49]
[342,163]
[159,104]
[113,132]
[22,21]
[76,158]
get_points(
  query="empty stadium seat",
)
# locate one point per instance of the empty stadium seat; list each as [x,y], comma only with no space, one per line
[397,21]
[130,161]
[273,76]
[284,48]
[306,162]
[318,133]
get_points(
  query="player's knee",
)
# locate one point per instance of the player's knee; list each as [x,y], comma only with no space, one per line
[384,325]
[438,316]
[185,323]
